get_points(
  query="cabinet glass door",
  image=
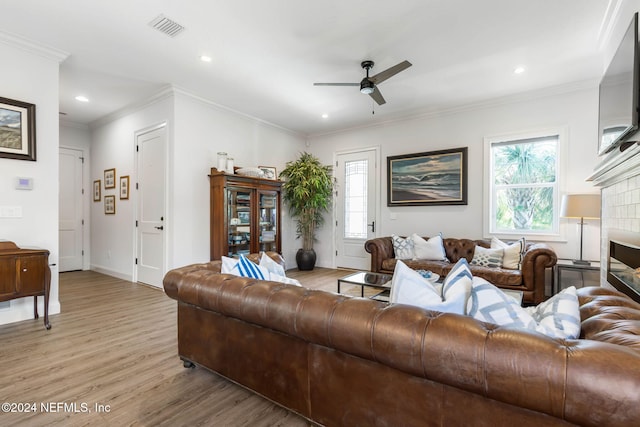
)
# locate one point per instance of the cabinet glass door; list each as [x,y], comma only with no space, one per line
[239,217]
[268,215]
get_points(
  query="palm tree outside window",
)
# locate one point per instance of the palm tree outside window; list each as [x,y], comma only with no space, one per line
[524,185]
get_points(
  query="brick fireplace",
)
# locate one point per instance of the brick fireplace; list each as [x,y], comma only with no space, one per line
[618,176]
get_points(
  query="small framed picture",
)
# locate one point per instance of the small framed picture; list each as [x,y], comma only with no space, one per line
[97,190]
[110,205]
[269,172]
[110,178]
[124,187]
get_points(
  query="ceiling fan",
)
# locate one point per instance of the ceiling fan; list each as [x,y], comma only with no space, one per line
[368,85]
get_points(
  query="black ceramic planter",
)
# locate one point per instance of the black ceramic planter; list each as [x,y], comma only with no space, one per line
[306,260]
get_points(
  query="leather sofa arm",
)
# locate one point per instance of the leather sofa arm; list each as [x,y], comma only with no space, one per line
[380,248]
[537,258]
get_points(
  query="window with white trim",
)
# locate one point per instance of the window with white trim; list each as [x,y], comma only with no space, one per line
[523,185]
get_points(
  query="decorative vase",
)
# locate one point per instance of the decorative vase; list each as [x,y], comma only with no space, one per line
[306,260]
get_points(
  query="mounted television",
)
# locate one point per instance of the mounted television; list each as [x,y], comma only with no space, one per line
[619,88]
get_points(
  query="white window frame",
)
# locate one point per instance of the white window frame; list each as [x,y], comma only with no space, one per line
[489,205]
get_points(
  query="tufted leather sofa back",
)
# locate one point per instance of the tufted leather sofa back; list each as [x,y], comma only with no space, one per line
[559,378]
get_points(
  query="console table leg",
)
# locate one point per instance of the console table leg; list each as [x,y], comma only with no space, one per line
[35,307]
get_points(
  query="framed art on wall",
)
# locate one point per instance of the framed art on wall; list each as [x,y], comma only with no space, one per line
[429,178]
[17,130]
[97,190]
[124,187]
[110,205]
[110,178]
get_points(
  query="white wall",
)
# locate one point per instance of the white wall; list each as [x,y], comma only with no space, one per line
[575,110]
[113,146]
[196,131]
[32,77]
[203,129]
[78,137]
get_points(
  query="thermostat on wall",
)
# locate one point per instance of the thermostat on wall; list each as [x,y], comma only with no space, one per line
[24,183]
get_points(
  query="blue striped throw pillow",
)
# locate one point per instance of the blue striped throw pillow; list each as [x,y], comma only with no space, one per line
[246,268]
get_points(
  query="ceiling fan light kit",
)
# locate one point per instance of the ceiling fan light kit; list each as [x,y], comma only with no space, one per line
[368,85]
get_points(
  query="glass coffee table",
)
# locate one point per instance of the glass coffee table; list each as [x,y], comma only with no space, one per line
[364,279]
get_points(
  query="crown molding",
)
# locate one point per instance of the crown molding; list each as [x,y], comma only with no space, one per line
[164,93]
[35,48]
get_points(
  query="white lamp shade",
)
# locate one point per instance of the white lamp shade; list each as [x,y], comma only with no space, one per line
[580,206]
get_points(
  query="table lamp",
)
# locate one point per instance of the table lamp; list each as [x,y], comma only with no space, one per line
[580,206]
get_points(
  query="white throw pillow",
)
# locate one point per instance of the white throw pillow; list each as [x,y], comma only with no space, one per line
[276,271]
[403,248]
[409,287]
[559,316]
[267,262]
[513,252]
[432,249]
[487,257]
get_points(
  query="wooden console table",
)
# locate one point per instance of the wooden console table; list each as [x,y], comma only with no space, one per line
[25,273]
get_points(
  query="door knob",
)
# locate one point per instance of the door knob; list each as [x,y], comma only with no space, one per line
[160,228]
[373,226]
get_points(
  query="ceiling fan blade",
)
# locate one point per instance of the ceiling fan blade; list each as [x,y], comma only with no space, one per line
[390,72]
[377,96]
[336,84]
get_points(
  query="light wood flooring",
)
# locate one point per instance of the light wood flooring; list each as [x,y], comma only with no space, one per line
[115,345]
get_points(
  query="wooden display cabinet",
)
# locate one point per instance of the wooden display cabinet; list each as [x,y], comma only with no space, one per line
[244,215]
[25,273]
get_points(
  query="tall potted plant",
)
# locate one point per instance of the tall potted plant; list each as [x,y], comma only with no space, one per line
[307,190]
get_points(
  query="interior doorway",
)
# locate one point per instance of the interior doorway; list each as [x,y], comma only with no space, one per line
[357,201]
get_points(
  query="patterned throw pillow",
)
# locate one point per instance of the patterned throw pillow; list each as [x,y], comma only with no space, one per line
[559,316]
[243,267]
[403,248]
[409,287]
[489,304]
[432,249]
[487,257]
[513,252]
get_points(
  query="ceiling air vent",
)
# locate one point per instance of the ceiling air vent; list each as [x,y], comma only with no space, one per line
[167,26]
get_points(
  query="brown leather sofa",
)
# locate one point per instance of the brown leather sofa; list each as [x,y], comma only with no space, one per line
[342,361]
[530,279]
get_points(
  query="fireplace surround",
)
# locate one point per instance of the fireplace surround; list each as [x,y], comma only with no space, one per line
[618,176]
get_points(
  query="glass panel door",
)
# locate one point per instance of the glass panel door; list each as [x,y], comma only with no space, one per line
[268,215]
[239,215]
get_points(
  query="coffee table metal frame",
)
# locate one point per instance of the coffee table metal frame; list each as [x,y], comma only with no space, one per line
[368,279]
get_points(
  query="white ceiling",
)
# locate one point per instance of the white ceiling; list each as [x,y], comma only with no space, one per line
[267,54]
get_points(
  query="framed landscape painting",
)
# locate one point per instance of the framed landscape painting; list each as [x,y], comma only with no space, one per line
[17,130]
[430,178]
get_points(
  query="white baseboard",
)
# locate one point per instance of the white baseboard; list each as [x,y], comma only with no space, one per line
[22,309]
[109,272]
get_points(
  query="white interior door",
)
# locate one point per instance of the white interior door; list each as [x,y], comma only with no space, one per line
[70,212]
[150,260]
[357,192]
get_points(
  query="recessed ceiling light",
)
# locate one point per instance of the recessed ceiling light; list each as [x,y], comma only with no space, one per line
[518,70]
[325,116]
[82,98]
[205,58]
